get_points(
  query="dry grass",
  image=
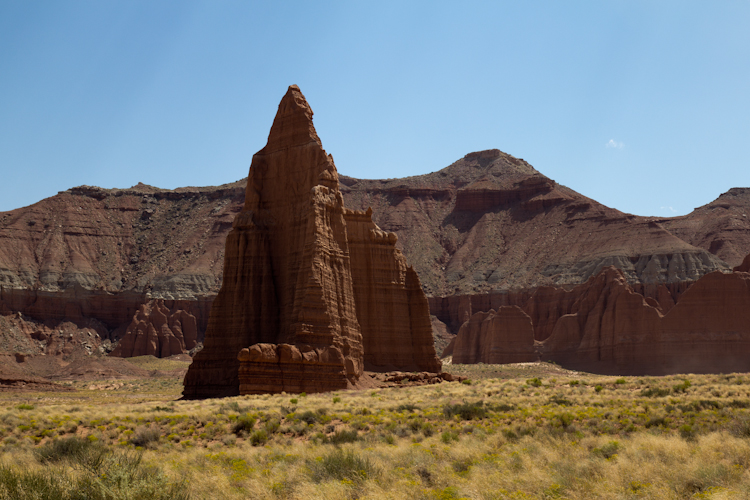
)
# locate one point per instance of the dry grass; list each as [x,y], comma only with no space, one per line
[524,431]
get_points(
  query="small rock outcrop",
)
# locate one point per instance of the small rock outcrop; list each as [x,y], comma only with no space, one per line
[158,331]
[286,317]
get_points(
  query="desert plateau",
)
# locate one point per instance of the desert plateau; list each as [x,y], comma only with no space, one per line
[477,332]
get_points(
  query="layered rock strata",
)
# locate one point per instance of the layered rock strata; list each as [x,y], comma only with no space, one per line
[391,307]
[604,326]
[286,316]
[157,331]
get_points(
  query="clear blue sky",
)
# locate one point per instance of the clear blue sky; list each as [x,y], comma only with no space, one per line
[643,106]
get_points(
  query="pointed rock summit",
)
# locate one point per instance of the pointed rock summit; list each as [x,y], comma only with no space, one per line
[312,292]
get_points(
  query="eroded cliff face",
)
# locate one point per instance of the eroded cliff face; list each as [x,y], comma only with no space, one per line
[391,307]
[158,331]
[490,222]
[604,326]
[286,317]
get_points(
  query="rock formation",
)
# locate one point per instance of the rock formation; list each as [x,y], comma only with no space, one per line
[391,307]
[286,317]
[496,337]
[745,266]
[604,326]
[481,233]
[157,331]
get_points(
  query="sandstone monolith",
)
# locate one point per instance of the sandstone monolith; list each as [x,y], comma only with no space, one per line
[286,317]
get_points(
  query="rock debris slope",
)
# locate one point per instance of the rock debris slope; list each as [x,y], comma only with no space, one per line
[287,316]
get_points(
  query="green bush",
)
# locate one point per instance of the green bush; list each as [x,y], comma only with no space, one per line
[145,436]
[342,465]
[607,450]
[407,407]
[466,411]
[245,423]
[344,436]
[259,437]
[308,417]
[448,436]
[681,387]
[655,392]
[534,382]
[71,448]
[100,474]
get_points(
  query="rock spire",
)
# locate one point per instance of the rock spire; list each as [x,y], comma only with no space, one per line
[286,317]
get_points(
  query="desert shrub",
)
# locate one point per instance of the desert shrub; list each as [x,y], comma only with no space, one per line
[707,404]
[598,388]
[101,474]
[608,449]
[681,387]
[415,425]
[620,381]
[565,419]
[740,426]
[31,485]
[534,382]
[336,400]
[308,417]
[71,448]
[687,432]
[466,411]
[462,465]
[342,465]
[258,437]
[244,423]
[406,407]
[574,383]
[656,392]
[145,436]
[272,425]
[558,400]
[510,435]
[738,404]
[25,406]
[343,436]
[656,422]
[448,436]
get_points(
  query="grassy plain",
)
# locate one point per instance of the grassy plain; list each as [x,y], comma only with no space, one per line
[513,432]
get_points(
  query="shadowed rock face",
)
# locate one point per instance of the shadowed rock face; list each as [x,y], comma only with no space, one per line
[604,326]
[287,305]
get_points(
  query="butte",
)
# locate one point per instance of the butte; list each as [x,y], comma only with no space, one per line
[312,293]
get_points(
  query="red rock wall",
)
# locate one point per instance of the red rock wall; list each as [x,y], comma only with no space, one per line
[391,307]
[497,337]
[604,326]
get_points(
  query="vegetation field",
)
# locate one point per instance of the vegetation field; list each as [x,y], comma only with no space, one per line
[531,431]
